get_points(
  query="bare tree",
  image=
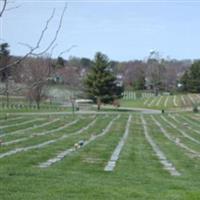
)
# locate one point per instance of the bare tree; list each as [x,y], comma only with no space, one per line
[36,75]
[155,73]
[33,49]
[70,76]
[133,74]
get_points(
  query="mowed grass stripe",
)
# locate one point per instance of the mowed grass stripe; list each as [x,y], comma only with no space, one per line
[6,116]
[175,101]
[191,98]
[195,117]
[35,126]
[188,124]
[183,100]
[40,134]
[34,141]
[20,123]
[38,155]
[179,127]
[10,119]
[158,103]
[166,101]
[38,129]
[174,139]
[30,139]
[15,122]
[146,101]
[116,153]
[160,154]
[84,134]
[170,103]
[152,102]
[138,174]
[139,168]
[191,121]
[65,153]
[64,174]
[97,153]
[175,132]
[185,161]
[44,144]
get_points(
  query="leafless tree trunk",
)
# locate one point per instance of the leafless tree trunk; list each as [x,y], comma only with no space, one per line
[7,93]
[37,85]
[36,75]
[98,103]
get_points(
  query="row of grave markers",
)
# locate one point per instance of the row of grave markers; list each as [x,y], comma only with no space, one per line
[30,107]
[130,95]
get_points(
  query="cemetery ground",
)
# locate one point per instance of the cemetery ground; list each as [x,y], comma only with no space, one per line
[119,155]
[58,96]
[179,101]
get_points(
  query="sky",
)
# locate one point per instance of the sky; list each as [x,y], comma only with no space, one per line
[124,30]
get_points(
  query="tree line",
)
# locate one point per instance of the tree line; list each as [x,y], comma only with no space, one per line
[152,74]
[35,73]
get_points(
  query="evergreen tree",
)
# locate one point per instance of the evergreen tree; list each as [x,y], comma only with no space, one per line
[101,85]
[184,81]
[191,78]
[85,62]
[60,62]
[139,84]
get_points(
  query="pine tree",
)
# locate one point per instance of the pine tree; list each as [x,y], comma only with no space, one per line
[184,81]
[191,78]
[101,85]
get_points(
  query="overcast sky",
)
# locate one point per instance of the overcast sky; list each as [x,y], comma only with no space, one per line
[123,30]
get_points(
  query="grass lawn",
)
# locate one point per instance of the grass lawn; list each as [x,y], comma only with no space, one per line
[166,102]
[20,103]
[138,174]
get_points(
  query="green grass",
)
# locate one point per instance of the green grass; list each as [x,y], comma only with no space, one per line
[138,173]
[166,102]
[174,102]
[21,104]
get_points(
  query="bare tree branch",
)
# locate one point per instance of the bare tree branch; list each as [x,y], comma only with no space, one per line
[45,29]
[41,35]
[32,50]
[12,8]
[4,2]
[67,50]
[26,45]
[52,49]
[4,5]
[56,34]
